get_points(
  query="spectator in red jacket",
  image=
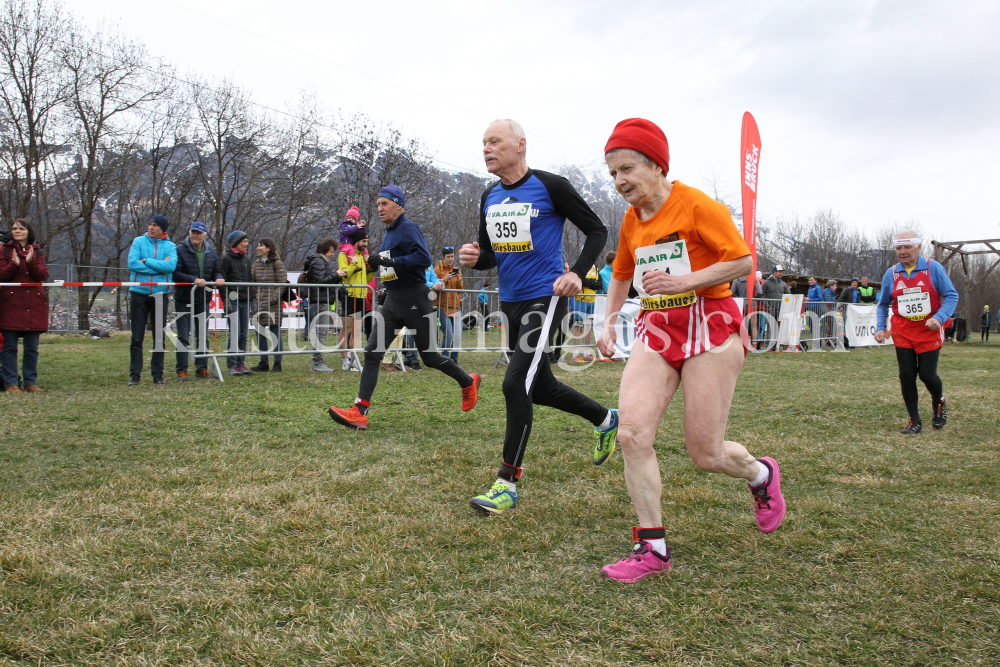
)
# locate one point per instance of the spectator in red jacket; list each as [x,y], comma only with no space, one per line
[24,311]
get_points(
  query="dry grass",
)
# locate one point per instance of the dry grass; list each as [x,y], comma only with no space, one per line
[234,524]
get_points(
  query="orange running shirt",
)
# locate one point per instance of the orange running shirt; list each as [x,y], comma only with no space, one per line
[688,215]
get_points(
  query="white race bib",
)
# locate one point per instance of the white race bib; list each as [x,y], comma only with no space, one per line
[386,273]
[915,305]
[509,227]
[671,257]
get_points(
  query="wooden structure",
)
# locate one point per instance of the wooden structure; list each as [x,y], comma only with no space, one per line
[945,252]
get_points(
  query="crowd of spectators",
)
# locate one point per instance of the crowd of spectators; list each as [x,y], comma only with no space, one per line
[198,268]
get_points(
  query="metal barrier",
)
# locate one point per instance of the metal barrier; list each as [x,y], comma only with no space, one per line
[470,320]
[820,325]
[484,325]
[331,319]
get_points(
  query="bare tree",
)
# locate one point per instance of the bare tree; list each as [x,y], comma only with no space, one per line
[171,186]
[32,86]
[233,160]
[109,81]
[372,156]
[299,181]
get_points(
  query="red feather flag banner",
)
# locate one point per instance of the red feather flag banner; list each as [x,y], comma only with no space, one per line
[750,156]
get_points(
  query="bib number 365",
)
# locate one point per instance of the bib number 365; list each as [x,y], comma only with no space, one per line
[914,305]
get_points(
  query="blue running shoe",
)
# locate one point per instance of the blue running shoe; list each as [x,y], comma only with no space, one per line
[606,439]
[497,500]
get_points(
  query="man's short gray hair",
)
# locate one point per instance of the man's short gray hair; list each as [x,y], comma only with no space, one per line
[632,153]
[831,283]
[515,127]
[516,130]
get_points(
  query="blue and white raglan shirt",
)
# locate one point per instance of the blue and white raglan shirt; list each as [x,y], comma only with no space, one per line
[521,229]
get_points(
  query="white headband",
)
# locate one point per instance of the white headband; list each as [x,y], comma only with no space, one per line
[899,242]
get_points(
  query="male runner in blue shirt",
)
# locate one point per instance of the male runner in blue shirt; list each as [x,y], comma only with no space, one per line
[520,232]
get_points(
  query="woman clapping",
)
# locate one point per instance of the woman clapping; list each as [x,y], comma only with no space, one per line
[24,311]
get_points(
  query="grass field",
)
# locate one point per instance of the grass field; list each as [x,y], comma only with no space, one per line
[233,523]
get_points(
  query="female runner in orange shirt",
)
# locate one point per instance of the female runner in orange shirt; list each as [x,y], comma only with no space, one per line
[680,249]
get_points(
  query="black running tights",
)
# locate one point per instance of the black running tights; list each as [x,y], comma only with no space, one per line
[924,366]
[406,309]
[529,380]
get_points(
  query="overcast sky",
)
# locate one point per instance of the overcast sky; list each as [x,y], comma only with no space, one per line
[884,112]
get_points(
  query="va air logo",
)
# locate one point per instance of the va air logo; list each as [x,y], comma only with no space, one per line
[509,214]
[676,253]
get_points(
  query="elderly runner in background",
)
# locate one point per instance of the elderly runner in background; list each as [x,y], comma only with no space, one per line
[923,300]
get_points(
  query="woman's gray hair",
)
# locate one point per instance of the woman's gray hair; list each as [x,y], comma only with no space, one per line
[831,283]
[632,153]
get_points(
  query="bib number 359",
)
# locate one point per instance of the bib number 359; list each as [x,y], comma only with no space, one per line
[505,230]
[509,227]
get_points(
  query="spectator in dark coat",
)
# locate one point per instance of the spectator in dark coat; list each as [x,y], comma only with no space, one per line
[268,268]
[24,311]
[320,270]
[866,293]
[849,294]
[197,263]
[236,268]
[772,289]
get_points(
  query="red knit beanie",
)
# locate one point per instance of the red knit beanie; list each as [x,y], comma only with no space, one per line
[353,213]
[644,136]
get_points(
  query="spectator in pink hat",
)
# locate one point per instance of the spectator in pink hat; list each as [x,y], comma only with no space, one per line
[348,228]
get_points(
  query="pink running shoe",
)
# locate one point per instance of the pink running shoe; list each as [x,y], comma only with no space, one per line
[639,564]
[770,504]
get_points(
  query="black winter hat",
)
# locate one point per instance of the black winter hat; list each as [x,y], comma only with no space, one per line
[161,222]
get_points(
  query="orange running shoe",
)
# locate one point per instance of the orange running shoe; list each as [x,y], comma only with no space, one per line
[470,394]
[352,418]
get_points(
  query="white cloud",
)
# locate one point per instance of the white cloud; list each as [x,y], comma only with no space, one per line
[879,110]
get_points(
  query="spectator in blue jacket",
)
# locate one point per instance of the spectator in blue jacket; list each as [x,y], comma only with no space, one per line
[606,271]
[151,259]
[198,265]
[830,296]
[814,311]
[484,304]
[815,292]
[830,291]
